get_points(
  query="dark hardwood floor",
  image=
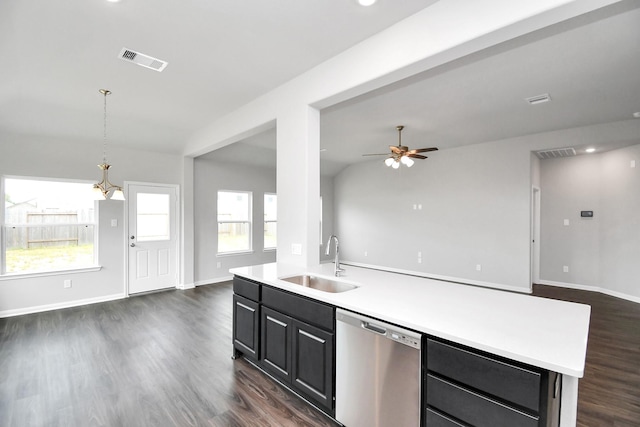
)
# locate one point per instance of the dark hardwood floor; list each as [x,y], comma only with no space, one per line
[165,360]
[162,359]
[609,393]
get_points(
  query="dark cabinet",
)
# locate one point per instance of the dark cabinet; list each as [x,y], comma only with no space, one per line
[468,387]
[289,336]
[312,360]
[246,326]
[276,337]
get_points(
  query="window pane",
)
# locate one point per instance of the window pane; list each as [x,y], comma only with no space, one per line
[234,237]
[270,233]
[48,225]
[270,207]
[37,249]
[153,217]
[233,206]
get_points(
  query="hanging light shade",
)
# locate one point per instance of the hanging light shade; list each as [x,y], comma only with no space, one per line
[103,189]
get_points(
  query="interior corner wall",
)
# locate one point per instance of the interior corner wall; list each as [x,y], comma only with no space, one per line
[210,176]
[328,226]
[461,208]
[601,253]
[37,157]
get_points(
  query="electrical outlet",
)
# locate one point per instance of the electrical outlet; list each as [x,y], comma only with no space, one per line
[478,267]
[219,264]
[67,283]
[114,222]
[566,222]
[296,249]
[366,253]
[565,268]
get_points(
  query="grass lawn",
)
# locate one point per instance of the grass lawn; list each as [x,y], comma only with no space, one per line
[49,258]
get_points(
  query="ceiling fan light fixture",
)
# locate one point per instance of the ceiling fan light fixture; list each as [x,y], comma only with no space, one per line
[407,161]
[396,164]
[389,161]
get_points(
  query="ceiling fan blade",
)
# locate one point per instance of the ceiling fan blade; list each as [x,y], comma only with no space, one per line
[380,154]
[422,150]
[395,149]
[417,156]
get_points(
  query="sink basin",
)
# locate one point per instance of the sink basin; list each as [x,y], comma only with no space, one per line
[320,283]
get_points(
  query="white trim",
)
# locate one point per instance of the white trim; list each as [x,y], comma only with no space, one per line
[59,306]
[590,288]
[185,286]
[213,281]
[17,276]
[439,277]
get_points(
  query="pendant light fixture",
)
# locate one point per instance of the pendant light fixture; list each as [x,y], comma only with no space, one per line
[102,189]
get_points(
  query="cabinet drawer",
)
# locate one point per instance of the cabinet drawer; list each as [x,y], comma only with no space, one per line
[306,310]
[436,419]
[246,288]
[501,379]
[473,408]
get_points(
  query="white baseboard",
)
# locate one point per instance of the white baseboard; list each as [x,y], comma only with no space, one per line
[590,288]
[184,286]
[214,280]
[58,306]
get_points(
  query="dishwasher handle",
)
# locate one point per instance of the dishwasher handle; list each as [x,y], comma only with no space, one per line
[373,328]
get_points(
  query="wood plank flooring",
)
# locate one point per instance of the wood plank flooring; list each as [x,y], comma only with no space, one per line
[165,360]
[609,393]
[162,359]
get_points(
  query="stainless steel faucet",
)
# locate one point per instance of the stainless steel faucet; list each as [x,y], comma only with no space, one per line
[337,269]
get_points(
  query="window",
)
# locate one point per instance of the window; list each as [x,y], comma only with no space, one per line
[270,220]
[234,222]
[152,217]
[47,226]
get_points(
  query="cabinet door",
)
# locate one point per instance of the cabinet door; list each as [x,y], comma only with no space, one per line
[312,364]
[276,344]
[246,326]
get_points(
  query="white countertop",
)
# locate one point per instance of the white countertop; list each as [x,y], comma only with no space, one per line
[541,332]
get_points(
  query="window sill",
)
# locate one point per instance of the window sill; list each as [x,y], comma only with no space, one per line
[269,249]
[15,276]
[226,254]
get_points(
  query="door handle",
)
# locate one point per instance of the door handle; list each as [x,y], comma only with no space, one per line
[133,245]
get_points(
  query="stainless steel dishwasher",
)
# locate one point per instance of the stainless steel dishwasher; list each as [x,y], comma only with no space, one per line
[377,373]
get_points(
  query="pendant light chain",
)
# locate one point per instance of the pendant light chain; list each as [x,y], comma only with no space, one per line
[104,136]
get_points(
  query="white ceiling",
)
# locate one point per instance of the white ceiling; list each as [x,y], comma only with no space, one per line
[589,65]
[221,55]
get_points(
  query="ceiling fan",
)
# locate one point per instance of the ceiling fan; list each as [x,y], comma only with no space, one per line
[401,153]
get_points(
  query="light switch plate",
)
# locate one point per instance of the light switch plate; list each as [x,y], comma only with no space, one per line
[296,249]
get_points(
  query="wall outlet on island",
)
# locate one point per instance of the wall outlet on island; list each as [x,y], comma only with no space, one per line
[565,268]
[478,267]
[67,283]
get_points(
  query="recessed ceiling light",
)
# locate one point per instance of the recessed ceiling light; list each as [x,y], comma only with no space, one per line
[636,115]
[590,150]
[113,1]
[366,2]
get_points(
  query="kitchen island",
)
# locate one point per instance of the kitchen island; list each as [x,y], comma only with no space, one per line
[544,333]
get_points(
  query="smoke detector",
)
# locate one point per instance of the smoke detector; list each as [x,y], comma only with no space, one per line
[142,59]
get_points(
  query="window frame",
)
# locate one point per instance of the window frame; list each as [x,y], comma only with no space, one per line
[265,221]
[249,222]
[4,275]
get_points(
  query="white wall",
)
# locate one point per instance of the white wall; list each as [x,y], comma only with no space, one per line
[45,158]
[210,177]
[603,252]
[475,210]
[328,226]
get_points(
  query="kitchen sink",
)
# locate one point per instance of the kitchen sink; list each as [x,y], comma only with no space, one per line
[320,283]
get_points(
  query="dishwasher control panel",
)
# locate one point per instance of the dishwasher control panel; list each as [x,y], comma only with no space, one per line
[404,339]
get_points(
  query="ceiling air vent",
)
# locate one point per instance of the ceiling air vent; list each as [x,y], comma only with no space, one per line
[142,59]
[555,153]
[538,99]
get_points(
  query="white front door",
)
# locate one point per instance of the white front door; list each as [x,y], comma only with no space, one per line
[152,239]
